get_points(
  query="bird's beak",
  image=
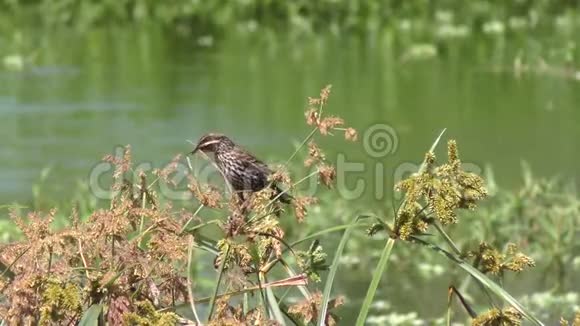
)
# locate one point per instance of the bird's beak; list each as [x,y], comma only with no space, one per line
[194,150]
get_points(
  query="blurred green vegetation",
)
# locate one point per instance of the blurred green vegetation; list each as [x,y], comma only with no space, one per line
[447,18]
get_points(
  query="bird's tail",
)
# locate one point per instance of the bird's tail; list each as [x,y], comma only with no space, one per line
[283,197]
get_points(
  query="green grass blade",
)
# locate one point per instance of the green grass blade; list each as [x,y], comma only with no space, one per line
[205,243]
[483,280]
[448,316]
[378,273]
[323,232]
[12,206]
[217,286]
[91,316]
[274,307]
[246,304]
[332,272]
[199,226]
[299,147]
[432,149]
[190,277]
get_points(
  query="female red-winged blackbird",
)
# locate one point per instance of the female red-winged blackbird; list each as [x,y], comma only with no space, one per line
[243,171]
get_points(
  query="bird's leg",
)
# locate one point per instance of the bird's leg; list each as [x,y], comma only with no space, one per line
[241,197]
[244,202]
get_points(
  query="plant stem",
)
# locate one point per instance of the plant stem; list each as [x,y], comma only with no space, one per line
[310,135]
[190,282]
[217,286]
[447,238]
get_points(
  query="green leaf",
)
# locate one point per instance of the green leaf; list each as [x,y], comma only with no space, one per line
[378,273]
[91,316]
[274,307]
[432,150]
[332,273]
[325,231]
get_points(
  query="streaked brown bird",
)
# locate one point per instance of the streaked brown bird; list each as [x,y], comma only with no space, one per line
[243,171]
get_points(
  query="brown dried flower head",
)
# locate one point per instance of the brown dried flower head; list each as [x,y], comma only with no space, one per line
[165,173]
[329,123]
[325,94]
[308,311]
[300,206]
[326,174]
[493,317]
[311,116]
[122,165]
[315,154]
[261,202]
[314,101]
[496,263]
[280,175]
[118,307]
[350,134]
[207,195]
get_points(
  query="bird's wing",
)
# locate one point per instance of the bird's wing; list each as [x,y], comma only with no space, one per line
[251,161]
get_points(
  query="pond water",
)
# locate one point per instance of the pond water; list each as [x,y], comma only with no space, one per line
[82,95]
